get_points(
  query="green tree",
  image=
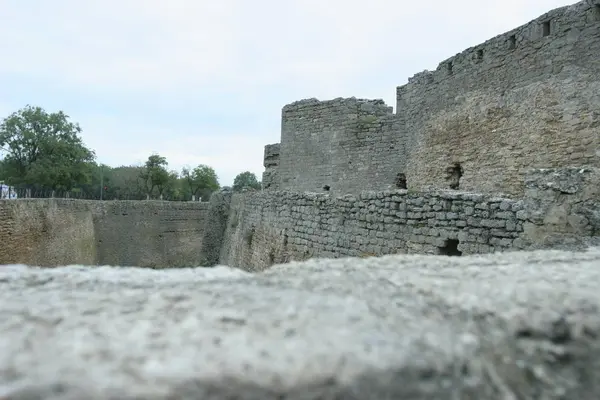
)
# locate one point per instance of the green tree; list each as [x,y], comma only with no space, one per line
[125,183]
[154,175]
[245,179]
[44,150]
[202,180]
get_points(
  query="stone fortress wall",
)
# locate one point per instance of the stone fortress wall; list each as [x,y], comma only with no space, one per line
[498,149]
[529,98]
[255,230]
[561,208]
[49,232]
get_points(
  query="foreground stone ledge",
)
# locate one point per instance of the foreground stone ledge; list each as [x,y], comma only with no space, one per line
[502,326]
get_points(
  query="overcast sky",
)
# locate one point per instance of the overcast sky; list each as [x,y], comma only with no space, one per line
[204,81]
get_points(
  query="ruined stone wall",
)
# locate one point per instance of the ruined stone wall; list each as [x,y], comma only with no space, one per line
[270,178]
[561,209]
[529,98]
[272,227]
[47,232]
[50,232]
[347,145]
[526,98]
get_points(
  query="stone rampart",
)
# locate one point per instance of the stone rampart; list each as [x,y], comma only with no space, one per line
[49,232]
[561,208]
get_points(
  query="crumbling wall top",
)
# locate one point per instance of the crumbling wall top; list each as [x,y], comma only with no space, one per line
[376,106]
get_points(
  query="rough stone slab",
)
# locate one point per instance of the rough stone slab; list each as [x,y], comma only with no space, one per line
[502,326]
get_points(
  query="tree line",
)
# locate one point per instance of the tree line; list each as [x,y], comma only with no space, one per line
[43,153]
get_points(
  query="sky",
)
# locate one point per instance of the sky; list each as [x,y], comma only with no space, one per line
[203,82]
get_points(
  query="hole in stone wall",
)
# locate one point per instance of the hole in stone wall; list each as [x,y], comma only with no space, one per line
[326,188]
[454,173]
[479,55]
[450,248]
[450,68]
[512,42]
[546,28]
[400,181]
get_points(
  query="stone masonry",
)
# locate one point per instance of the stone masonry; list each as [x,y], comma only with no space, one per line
[528,98]
[561,209]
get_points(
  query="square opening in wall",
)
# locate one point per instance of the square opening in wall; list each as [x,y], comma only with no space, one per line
[512,42]
[450,248]
[546,28]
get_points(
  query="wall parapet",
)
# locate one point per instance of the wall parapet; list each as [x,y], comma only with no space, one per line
[532,35]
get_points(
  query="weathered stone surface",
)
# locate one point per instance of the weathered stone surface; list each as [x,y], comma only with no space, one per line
[504,326]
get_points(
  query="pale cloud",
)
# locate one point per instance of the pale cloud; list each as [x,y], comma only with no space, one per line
[204,81]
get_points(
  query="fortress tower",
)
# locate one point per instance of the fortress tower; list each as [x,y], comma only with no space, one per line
[529,98]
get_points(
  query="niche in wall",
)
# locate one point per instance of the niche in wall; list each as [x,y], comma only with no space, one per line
[512,42]
[450,248]
[479,56]
[400,181]
[546,28]
[326,188]
[453,175]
